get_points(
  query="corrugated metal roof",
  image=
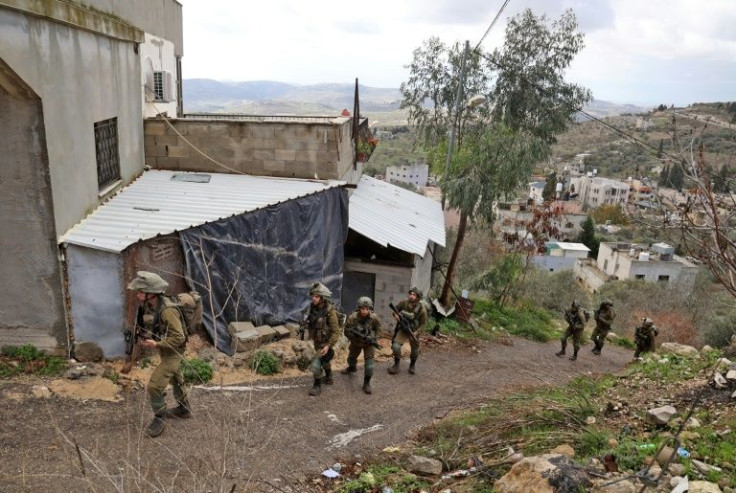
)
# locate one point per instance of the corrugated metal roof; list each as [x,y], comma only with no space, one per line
[570,246]
[391,215]
[154,204]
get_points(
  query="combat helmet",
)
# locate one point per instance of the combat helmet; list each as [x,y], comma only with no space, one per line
[575,305]
[417,291]
[320,290]
[148,282]
[606,303]
[365,301]
[648,322]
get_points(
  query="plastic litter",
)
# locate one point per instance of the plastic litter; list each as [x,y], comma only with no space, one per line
[330,473]
[683,453]
[646,447]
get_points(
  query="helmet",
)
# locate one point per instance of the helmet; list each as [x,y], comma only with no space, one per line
[320,290]
[575,305]
[648,322]
[148,282]
[607,303]
[365,301]
[417,291]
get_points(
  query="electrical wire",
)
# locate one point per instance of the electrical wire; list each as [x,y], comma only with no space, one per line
[493,22]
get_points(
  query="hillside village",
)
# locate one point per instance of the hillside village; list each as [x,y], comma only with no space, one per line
[250,210]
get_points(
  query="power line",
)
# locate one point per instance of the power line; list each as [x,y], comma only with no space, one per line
[500,11]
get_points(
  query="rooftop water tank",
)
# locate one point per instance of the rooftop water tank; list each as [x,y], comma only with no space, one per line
[644,256]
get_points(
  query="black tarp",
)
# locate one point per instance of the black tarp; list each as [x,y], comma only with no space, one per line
[258,266]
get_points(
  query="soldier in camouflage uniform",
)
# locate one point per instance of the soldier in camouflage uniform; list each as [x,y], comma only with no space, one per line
[415,313]
[324,330]
[644,337]
[165,326]
[362,329]
[604,316]
[575,326]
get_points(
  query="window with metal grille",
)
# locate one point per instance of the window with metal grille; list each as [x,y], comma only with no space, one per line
[106,146]
[158,86]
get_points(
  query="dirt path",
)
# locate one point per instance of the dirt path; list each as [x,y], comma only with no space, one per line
[267,437]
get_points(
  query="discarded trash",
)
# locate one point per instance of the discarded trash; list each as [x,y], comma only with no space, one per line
[329,473]
[647,447]
[609,462]
[337,467]
[683,453]
[386,489]
[391,450]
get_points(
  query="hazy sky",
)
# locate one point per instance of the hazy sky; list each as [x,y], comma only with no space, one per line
[637,51]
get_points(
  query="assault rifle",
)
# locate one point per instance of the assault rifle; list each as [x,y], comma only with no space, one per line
[132,336]
[365,339]
[301,331]
[402,324]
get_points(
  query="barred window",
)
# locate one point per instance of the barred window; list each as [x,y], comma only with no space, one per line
[106,146]
[158,86]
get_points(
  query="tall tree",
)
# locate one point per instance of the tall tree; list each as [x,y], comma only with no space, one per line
[664,177]
[676,178]
[549,192]
[587,236]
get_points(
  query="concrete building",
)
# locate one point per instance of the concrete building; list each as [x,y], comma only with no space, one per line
[393,234]
[561,255]
[657,263]
[512,218]
[535,191]
[69,135]
[596,191]
[415,174]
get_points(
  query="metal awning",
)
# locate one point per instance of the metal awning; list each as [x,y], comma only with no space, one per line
[391,215]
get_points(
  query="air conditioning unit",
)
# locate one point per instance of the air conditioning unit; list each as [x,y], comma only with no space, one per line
[163,86]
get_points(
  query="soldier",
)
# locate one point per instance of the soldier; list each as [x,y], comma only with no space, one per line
[575,326]
[415,314]
[362,328]
[644,337]
[324,330]
[164,324]
[603,318]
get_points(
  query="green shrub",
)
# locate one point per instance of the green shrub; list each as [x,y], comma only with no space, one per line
[31,360]
[623,342]
[719,330]
[265,363]
[196,371]
[524,321]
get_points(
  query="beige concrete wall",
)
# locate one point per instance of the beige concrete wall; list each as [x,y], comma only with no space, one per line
[320,149]
[392,285]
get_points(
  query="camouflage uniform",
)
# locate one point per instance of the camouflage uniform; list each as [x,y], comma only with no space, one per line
[416,315]
[604,316]
[164,324]
[358,330]
[644,337]
[575,326]
[324,331]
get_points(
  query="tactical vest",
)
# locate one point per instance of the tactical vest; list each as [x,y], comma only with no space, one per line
[319,328]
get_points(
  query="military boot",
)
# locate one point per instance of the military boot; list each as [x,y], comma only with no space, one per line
[316,387]
[350,369]
[181,411]
[574,355]
[157,425]
[561,352]
[367,385]
[394,369]
[412,365]
[327,380]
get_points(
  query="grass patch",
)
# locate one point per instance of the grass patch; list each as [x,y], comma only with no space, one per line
[524,321]
[674,368]
[623,342]
[28,359]
[196,371]
[265,363]
[384,475]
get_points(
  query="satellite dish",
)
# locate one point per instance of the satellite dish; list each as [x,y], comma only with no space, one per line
[148,88]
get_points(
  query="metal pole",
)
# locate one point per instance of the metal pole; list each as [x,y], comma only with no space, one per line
[451,144]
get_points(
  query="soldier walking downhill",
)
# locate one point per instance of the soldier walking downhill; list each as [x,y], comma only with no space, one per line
[604,316]
[575,326]
[362,329]
[324,330]
[415,313]
[644,337]
[163,322]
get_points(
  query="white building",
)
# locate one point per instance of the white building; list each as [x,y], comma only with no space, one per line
[561,255]
[657,263]
[535,191]
[596,191]
[415,174]
[71,134]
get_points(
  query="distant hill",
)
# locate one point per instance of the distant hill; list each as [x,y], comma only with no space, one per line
[270,97]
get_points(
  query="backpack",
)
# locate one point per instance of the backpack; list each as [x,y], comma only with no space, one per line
[190,307]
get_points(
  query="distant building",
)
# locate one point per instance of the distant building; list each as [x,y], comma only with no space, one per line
[658,263]
[561,255]
[535,191]
[415,174]
[596,191]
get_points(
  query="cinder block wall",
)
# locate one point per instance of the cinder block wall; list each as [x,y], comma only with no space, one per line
[392,285]
[319,149]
